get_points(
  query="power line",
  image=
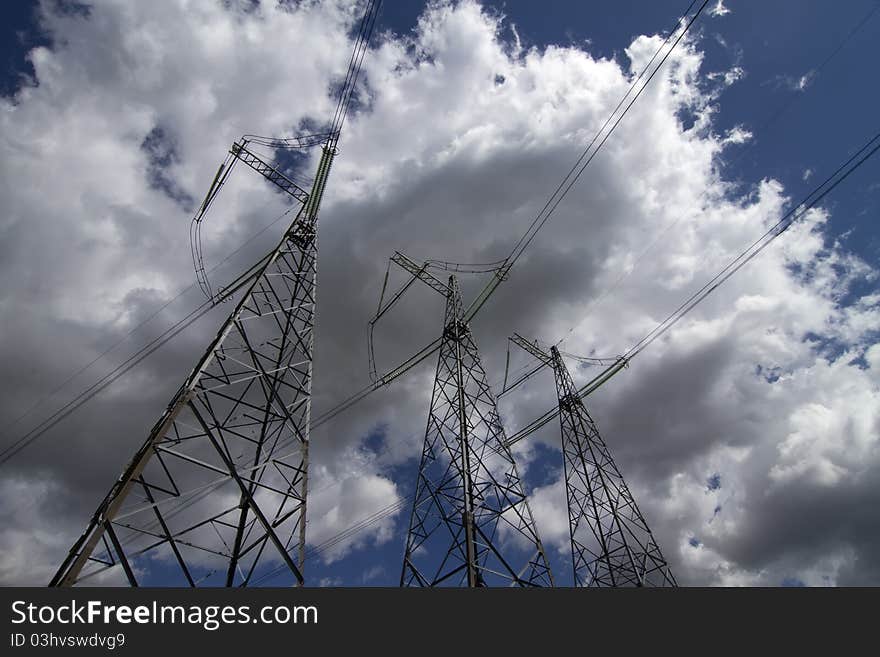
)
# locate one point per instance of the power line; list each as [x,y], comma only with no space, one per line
[136,358]
[393,507]
[189,498]
[784,107]
[143,323]
[354,65]
[550,206]
[770,120]
[795,213]
[585,159]
[810,201]
[361,44]
[538,222]
[121,369]
[507,263]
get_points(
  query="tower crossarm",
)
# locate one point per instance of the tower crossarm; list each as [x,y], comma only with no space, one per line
[299,141]
[270,173]
[420,272]
[532,348]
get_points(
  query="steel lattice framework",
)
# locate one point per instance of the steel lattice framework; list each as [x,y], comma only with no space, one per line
[216,495]
[611,543]
[471,523]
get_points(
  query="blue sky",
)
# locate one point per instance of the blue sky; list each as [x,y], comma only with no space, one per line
[802,117]
[809,93]
[777,43]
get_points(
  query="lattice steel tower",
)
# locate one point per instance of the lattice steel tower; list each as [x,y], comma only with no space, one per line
[611,543]
[217,492]
[471,524]
[216,495]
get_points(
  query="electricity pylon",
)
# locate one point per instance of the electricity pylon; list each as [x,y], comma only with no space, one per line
[471,523]
[611,543]
[216,495]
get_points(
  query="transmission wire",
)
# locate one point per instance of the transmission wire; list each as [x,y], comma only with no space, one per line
[868,150]
[524,241]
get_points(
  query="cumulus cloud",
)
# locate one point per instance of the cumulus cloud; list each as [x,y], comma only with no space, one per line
[718,9]
[772,383]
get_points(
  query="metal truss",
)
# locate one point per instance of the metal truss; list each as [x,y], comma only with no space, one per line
[471,524]
[269,172]
[216,495]
[611,543]
[239,152]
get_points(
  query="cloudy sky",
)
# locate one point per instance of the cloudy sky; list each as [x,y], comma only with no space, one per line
[749,434]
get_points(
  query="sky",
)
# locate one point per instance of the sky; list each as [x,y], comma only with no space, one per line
[748,434]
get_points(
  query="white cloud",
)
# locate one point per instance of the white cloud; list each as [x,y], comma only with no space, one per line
[336,506]
[718,9]
[445,161]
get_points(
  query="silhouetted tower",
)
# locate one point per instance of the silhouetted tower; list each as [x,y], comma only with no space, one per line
[611,543]
[471,524]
